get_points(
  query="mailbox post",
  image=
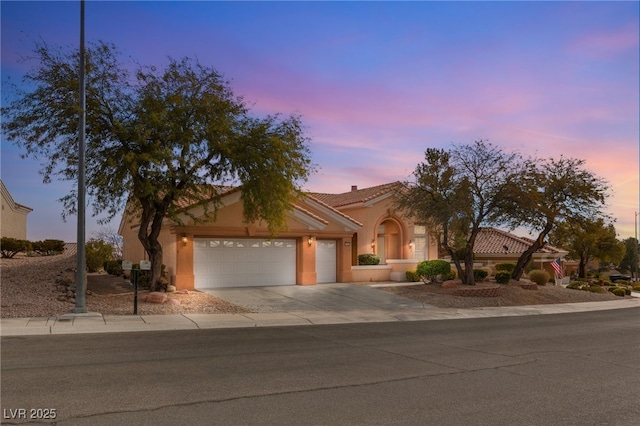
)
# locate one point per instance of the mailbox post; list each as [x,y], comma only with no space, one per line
[128,266]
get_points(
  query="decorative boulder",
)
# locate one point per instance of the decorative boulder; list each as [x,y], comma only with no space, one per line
[448,284]
[156,297]
[171,288]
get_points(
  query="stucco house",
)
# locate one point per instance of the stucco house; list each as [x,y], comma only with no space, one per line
[324,236]
[14,216]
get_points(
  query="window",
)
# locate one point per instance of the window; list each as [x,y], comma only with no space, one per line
[420,242]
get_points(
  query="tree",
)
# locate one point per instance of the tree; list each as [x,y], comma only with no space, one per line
[156,139]
[110,236]
[587,240]
[553,192]
[629,262]
[457,192]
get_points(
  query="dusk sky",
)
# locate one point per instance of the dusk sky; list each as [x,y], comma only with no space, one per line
[376,83]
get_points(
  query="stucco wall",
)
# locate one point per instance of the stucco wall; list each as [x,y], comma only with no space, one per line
[13,222]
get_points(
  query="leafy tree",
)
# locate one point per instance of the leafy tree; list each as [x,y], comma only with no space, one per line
[587,240]
[156,139]
[98,252]
[9,247]
[111,237]
[552,192]
[629,262]
[48,247]
[457,192]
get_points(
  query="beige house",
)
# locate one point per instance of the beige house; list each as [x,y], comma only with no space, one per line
[14,216]
[324,236]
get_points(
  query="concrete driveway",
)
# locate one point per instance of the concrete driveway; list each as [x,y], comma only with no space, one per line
[321,297]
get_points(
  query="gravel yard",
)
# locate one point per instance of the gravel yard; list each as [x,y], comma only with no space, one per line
[29,288]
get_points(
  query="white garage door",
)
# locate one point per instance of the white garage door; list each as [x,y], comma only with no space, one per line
[228,262]
[326,261]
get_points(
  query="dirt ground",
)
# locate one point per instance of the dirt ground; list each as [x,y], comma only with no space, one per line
[511,295]
[28,289]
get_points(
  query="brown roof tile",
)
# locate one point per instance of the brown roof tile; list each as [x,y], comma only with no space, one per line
[356,196]
[494,241]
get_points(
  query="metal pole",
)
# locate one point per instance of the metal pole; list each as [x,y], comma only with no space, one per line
[635,223]
[81,275]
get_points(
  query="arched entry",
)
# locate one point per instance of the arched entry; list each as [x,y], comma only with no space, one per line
[389,240]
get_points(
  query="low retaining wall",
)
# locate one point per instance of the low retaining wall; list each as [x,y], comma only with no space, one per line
[372,273]
[493,291]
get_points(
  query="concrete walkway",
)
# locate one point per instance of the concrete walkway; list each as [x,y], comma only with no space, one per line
[286,306]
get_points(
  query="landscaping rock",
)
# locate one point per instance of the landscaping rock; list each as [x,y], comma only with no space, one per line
[449,284]
[156,297]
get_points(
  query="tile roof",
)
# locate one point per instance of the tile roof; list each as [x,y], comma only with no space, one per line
[356,196]
[494,241]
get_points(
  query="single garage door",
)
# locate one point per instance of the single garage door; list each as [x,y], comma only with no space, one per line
[326,261]
[228,262]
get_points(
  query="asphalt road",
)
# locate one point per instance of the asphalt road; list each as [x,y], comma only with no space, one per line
[570,369]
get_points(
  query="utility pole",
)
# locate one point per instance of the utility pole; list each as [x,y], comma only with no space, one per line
[81,274]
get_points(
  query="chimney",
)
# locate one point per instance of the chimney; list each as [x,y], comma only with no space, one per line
[354,188]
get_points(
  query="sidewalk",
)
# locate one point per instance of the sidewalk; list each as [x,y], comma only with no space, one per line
[98,323]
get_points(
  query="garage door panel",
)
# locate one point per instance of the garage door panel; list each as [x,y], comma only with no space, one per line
[244,262]
[326,261]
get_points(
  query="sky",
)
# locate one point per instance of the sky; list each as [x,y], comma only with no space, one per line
[376,83]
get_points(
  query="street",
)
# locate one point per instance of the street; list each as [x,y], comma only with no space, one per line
[569,369]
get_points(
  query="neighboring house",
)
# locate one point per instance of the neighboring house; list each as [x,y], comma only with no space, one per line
[14,216]
[324,236]
[496,246]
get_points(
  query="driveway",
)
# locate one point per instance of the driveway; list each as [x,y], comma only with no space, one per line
[321,297]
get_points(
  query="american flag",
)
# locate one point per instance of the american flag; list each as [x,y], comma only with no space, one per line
[557,266]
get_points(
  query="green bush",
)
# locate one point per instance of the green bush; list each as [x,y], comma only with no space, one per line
[430,270]
[503,277]
[368,259]
[412,276]
[618,291]
[113,267]
[539,276]
[9,247]
[636,287]
[596,289]
[97,252]
[48,247]
[451,275]
[505,267]
[480,274]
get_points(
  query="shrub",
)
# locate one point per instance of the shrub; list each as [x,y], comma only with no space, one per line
[451,275]
[9,247]
[368,259]
[636,287]
[618,291]
[505,267]
[503,277]
[596,289]
[97,252]
[539,276]
[430,270]
[48,247]
[113,267]
[479,274]
[412,276]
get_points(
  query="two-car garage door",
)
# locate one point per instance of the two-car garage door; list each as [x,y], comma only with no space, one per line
[240,262]
[229,262]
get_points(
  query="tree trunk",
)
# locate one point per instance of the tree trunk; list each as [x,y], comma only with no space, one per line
[469,278]
[526,257]
[150,226]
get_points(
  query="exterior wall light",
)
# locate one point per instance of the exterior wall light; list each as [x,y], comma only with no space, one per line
[411,244]
[184,239]
[373,243]
[310,241]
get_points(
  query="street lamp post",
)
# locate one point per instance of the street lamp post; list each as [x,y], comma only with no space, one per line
[635,223]
[81,275]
